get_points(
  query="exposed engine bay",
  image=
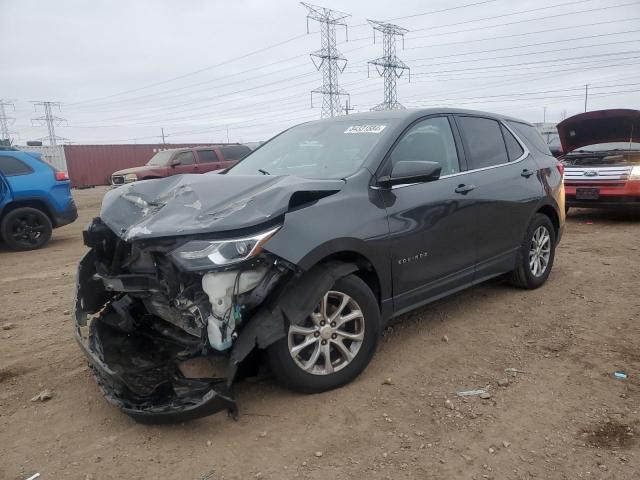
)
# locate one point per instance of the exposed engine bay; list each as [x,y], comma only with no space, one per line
[602,158]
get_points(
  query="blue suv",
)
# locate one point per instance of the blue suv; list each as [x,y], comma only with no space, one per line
[35,198]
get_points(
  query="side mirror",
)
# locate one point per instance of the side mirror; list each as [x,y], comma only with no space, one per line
[410,171]
[174,162]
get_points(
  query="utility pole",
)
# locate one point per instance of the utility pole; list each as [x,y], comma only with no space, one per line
[5,134]
[227,134]
[162,135]
[50,120]
[328,59]
[544,115]
[389,66]
[586,95]
[348,108]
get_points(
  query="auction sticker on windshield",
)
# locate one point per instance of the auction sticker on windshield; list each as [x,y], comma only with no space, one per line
[365,129]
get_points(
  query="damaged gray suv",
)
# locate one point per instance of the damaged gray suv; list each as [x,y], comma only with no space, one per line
[300,254]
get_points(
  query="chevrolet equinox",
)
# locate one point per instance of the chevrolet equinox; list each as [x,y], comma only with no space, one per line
[301,253]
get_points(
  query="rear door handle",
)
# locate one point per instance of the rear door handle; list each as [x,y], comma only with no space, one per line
[526,173]
[464,189]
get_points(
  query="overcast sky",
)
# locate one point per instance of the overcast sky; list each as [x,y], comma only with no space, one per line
[124,69]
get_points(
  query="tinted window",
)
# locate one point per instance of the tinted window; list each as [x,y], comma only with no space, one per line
[207,156]
[11,166]
[186,158]
[514,149]
[235,152]
[531,135]
[429,140]
[484,141]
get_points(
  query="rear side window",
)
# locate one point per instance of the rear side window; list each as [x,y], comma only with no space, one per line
[235,152]
[11,166]
[207,156]
[514,149]
[484,141]
[532,136]
[186,158]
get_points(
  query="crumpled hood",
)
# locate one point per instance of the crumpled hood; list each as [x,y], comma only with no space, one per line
[193,204]
[600,126]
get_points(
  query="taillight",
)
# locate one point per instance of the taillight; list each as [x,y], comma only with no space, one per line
[560,167]
[62,176]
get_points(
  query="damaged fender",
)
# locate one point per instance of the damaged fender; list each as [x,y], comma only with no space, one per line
[295,300]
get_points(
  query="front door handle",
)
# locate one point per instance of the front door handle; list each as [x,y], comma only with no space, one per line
[464,189]
[526,173]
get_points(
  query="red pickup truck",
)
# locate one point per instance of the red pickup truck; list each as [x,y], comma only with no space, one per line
[183,160]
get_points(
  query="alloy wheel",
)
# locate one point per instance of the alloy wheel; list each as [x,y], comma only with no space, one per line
[27,229]
[540,251]
[330,338]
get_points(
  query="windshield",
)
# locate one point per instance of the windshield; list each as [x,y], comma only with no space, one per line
[161,159]
[333,149]
[604,147]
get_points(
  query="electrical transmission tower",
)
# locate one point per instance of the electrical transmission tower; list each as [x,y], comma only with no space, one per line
[50,120]
[5,134]
[389,66]
[328,59]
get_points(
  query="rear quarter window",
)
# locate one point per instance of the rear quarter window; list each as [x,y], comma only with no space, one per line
[235,152]
[531,135]
[514,149]
[11,166]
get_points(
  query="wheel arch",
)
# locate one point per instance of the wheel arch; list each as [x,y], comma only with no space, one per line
[373,267]
[30,202]
[553,215]
[366,270]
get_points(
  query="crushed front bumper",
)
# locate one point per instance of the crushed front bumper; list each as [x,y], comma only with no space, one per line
[138,371]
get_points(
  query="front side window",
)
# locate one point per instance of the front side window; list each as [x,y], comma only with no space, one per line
[185,158]
[161,159]
[429,140]
[484,141]
[325,149]
[11,166]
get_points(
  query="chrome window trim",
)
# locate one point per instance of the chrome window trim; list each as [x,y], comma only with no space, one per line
[524,155]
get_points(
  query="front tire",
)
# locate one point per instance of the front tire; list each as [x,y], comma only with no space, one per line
[536,255]
[25,228]
[334,344]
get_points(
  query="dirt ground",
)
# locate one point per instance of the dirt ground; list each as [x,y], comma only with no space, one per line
[561,415]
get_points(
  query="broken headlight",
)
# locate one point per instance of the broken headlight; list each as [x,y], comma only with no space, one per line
[205,254]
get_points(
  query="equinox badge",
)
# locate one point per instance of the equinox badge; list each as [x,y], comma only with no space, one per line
[413,258]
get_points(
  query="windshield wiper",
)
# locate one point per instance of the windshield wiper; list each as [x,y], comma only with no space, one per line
[264,172]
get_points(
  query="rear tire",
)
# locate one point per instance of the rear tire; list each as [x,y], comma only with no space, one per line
[536,254]
[25,228]
[350,345]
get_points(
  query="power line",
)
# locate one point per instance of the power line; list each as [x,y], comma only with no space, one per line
[328,59]
[195,72]
[150,96]
[517,22]
[389,66]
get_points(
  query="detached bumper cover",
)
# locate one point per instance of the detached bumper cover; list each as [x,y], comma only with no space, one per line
[137,372]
